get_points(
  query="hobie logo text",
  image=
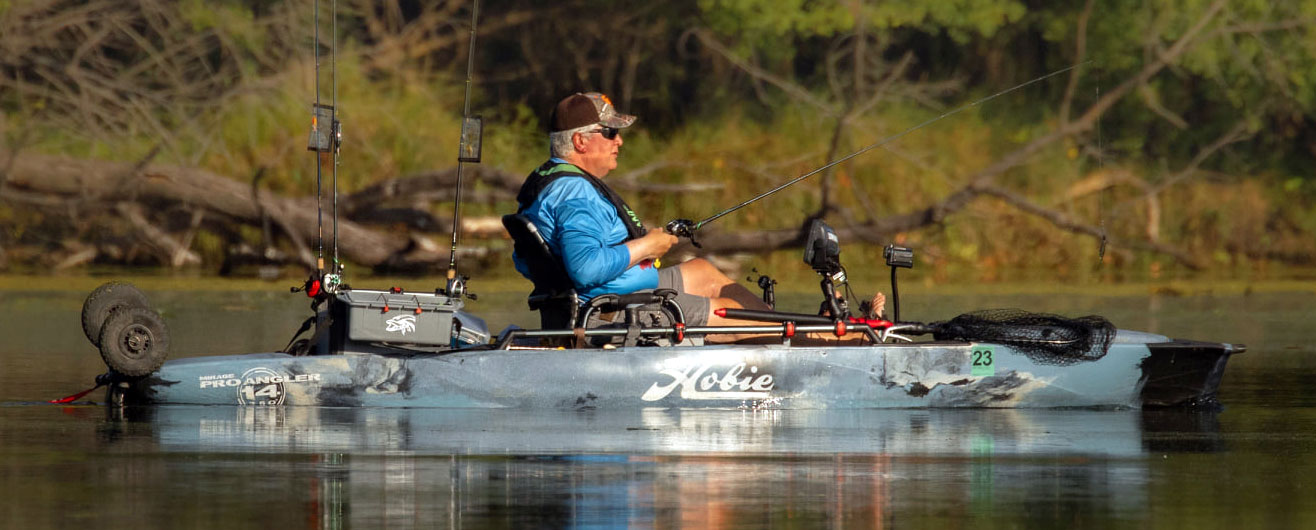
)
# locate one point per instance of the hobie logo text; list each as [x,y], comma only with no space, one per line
[708,381]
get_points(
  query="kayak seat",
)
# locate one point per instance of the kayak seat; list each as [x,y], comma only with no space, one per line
[628,306]
[634,311]
[559,306]
[554,296]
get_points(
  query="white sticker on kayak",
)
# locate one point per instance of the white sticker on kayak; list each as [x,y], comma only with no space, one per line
[257,386]
[709,381]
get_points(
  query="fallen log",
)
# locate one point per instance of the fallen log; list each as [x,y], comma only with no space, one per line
[81,183]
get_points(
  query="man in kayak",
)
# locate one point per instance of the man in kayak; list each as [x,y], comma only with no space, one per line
[601,241]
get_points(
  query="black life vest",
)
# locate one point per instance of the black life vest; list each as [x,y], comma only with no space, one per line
[551,171]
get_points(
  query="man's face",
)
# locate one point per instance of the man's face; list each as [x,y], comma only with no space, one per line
[598,154]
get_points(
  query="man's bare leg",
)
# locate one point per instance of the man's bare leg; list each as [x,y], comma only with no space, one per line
[699,277]
[702,278]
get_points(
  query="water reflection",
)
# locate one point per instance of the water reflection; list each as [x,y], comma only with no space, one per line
[655,431]
[456,468]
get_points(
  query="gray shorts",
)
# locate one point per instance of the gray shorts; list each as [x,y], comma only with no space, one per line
[694,307]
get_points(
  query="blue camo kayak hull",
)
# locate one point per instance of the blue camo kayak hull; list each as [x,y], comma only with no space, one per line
[1140,369]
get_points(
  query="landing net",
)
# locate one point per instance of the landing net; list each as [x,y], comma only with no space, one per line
[1045,339]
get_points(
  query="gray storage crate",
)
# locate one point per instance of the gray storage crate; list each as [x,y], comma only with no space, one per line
[409,318]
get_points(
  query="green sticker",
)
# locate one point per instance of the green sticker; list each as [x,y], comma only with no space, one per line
[983,359]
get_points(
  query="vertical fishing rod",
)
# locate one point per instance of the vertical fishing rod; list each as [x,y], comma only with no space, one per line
[326,137]
[316,143]
[337,132]
[468,150]
[687,228]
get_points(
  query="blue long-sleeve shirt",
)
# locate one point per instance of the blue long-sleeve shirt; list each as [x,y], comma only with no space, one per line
[583,228]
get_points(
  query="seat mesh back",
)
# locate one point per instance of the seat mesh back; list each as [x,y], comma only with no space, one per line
[546,270]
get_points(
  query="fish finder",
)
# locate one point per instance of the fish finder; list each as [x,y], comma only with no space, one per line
[822,249]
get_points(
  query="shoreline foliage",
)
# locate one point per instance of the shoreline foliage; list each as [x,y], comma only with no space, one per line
[1211,157]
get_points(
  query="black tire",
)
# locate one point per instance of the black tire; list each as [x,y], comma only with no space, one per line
[134,341]
[105,300]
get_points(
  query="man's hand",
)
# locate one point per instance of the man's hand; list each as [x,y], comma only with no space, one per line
[652,246]
[878,303]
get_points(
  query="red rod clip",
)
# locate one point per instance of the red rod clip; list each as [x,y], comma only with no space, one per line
[874,323]
[790,329]
[840,328]
[680,332]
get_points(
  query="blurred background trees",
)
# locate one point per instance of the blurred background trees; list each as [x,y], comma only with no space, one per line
[1184,138]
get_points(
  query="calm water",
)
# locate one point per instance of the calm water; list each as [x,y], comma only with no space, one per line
[1253,465]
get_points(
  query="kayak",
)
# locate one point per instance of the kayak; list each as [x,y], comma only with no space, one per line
[392,348]
[1139,370]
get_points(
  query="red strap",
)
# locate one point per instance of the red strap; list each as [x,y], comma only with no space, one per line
[74,397]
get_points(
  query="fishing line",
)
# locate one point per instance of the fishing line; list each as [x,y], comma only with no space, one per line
[686,228]
[1101,199]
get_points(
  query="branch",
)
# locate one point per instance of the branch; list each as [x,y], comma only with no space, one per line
[1065,222]
[797,91]
[73,179]
[1080,54]
[171,252]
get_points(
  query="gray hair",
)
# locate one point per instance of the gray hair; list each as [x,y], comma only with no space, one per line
[559,143]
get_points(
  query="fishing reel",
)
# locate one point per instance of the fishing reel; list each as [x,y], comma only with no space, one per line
[318,285]
[683,228]
[456,288]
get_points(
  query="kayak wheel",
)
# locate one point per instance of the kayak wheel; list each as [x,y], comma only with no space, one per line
[105,300]
[134,341]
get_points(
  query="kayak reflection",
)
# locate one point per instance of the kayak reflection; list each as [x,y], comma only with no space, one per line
[657,467]
[494,432]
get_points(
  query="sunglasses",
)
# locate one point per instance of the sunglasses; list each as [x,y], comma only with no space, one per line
[607,132]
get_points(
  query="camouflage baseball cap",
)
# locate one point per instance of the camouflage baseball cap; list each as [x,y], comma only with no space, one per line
[579,110]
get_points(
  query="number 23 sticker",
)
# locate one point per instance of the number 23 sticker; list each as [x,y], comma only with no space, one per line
[983,359]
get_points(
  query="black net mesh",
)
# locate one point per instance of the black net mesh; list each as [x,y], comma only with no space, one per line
[1045,339]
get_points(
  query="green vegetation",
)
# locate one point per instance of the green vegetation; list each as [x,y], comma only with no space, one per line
[1212,156]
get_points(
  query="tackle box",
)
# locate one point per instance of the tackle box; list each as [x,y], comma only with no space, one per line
[410,318]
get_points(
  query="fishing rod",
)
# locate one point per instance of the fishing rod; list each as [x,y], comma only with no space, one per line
[468,150]
[687,228]
[326,137]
